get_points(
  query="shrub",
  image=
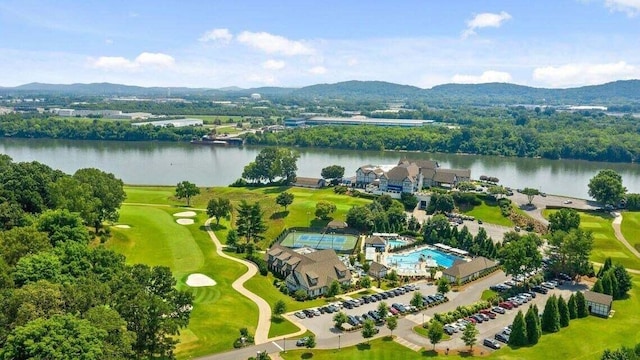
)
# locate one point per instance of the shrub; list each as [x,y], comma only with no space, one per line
[300,295]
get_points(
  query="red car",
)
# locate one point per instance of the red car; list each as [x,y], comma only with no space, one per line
[394,311]
[506,305]
[470,319]
[490,314]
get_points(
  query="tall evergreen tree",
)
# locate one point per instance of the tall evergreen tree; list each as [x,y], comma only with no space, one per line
[518,335]
[606,266]
[607,286]
[573,308]
[563,310]
[538,320]
[581,305]
[598,287]
[551,317]
[532,325]
[624,281]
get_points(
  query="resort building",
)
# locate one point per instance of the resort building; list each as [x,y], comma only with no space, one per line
[375,242]
[377,270]
[468,270]
[307,269]
[597,303]
[409,176]
[308,182]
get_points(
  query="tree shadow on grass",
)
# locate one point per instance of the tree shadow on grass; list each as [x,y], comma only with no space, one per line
[319,223]
[276,190]
[277,319]
[430,353]
[306,355]
[279,215]
[363,346]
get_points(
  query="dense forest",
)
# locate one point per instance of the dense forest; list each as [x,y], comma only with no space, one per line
[61,295]
[517,132]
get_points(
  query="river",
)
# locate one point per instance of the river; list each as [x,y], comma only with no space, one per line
[153,163]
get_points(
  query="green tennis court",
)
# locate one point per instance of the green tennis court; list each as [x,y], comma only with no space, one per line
[338,242]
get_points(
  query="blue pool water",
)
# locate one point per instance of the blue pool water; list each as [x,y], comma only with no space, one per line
[396,242]
[410,259]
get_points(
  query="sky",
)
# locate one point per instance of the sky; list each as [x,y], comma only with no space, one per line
[293,43]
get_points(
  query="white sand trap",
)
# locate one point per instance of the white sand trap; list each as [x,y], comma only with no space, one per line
[185,214]
[200,280]
[185,221]
[123,226]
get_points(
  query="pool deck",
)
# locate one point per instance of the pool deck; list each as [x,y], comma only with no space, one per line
[420,270]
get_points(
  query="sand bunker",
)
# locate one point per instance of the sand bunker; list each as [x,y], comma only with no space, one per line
[185,221]
[200,280]
[123,226]
[185,214]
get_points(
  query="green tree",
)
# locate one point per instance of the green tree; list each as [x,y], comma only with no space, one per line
[435,332]
[466,186]
[519,335]
[392,276]
[551,317]
[443,203]
[409,201]
[220,208]
[324,209]
[416,299]
[311,342]
[392,324]
[470,335]
[339,319]
[40,266]
[359,218]
[531,320]
[62,226]
[284,199]
[59,337]
[531,193]
[564,219]
[581,305]
[497,191]
[573,308]
[365,282]
[606,187]
[369,329]
[623,279]
[187,190]
[563,311]
[334,289]
[232,238]
[107,195]
[443,285]
[271,164]
[279,308]
[521,256]
[569,252]
[249,222]
[332,172]
[598,287]
[117,344]
[19,242]
[383,309]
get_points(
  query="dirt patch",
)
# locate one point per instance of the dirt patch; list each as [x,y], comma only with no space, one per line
[122,226]
[185,221]
[200,280]
[185,214]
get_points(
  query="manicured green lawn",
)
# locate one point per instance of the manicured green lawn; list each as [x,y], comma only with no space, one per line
[219,311]
[384,348]
[152,195]
[488,212]
[631,227]
[361,293]
[605,243]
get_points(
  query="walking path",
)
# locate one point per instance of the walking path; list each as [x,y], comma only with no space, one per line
[264,310]
[407,343]
[617,221]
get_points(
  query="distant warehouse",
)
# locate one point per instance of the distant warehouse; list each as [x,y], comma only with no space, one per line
[174,123]
[356,120]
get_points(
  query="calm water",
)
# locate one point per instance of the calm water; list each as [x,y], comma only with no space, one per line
[410,260]
[169,163]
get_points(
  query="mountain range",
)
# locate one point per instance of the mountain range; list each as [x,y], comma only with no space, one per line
[618,92]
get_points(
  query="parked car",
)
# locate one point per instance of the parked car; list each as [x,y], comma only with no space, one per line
[502,337]
[498,309]
[548,285]
[394,311]
[352,320]
[449,329]
[540,289]
[565,277]
[300,315]
[506,305]
[488,313]
[491,343]
[303,341]
[567,202]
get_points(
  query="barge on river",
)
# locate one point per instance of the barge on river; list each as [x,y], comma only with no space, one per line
[219,141]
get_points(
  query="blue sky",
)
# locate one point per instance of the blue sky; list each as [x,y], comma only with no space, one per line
[562,43]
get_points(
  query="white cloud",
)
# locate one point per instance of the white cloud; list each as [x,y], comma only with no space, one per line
[274,44]
[631,7]
[273,64]
[318,70]
[585,74]
[488,76]
[262,79]
[485,20]
[222,35]
[143,60]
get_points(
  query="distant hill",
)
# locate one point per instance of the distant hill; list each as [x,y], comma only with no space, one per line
[618,92]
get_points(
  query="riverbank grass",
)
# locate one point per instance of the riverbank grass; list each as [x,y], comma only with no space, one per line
[489,212]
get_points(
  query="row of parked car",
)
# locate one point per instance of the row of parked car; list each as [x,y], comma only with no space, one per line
[350,304]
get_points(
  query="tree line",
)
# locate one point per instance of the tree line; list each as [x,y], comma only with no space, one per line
[64,299]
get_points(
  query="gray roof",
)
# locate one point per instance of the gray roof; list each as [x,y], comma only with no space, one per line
[403,171]
[422,164]
[375,240]
[443,176]
[376,267]
[598,298]
[308,181]
[468,268]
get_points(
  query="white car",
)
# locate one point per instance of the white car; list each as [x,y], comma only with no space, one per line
[567,202]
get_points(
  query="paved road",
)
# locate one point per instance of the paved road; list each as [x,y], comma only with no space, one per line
[617,221]
[495,232]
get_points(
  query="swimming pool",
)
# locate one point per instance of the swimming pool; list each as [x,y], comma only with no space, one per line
[409,260]
[393,243]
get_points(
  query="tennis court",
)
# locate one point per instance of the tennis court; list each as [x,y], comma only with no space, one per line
[338,242]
